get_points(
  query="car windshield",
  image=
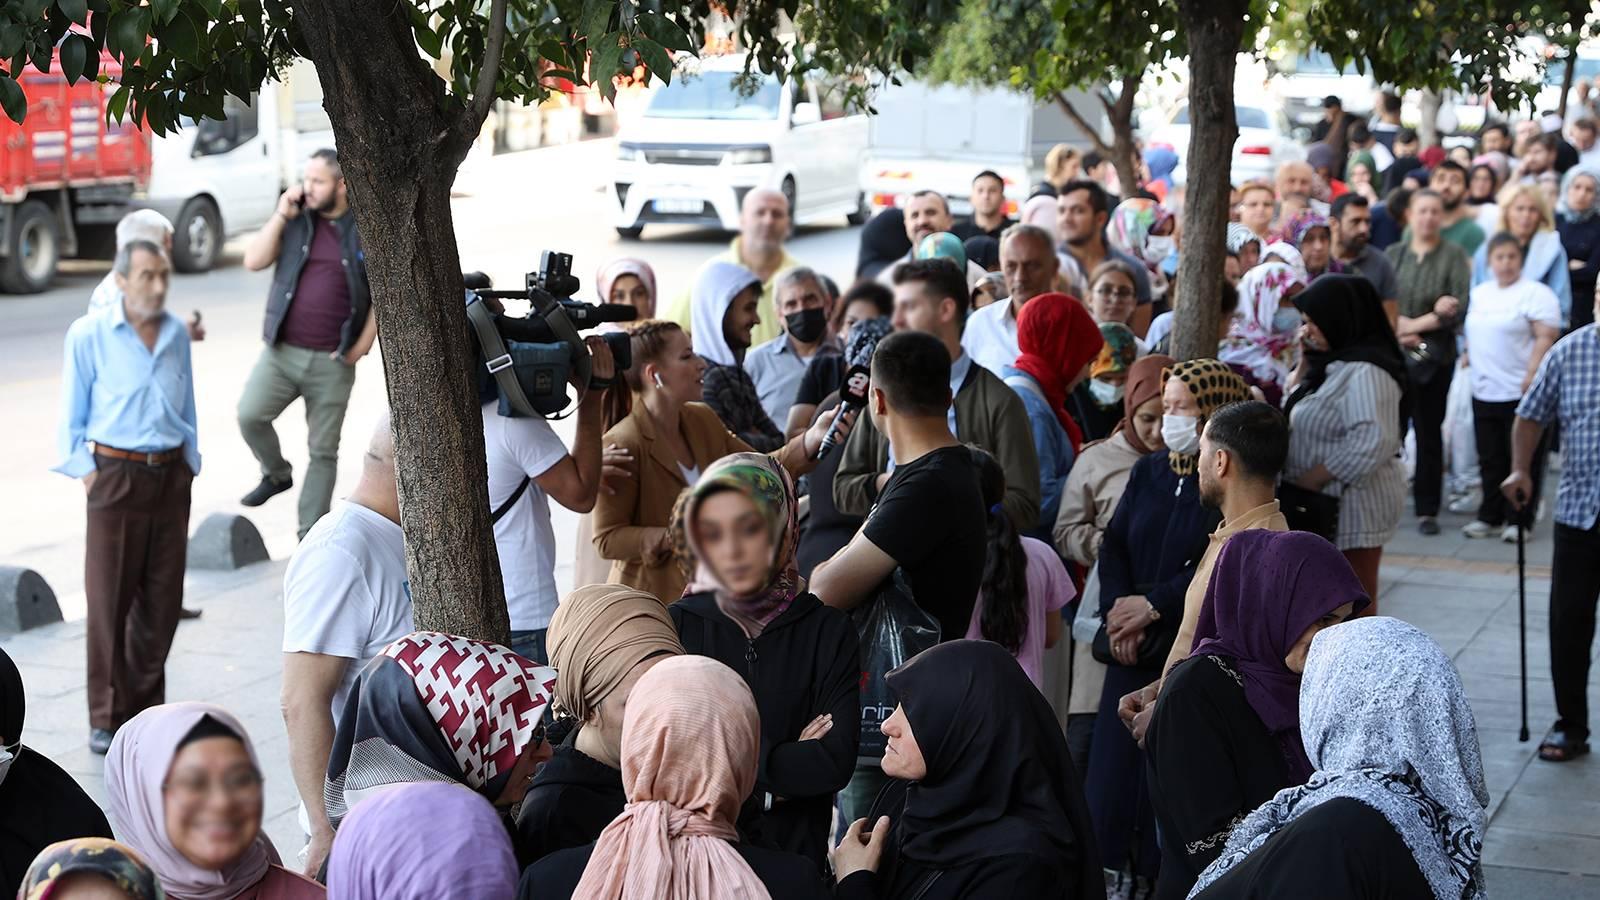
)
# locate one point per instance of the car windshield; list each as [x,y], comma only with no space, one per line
[713,95]
[1246,116]
[1588,68]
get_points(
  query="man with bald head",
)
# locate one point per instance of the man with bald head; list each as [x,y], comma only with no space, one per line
[927,213]
[345,597]
[1296,178]
[764,220]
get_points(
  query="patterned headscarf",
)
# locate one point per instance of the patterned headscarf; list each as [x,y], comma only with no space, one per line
[1214,386]
[767,484]
[1289,255]
[108,859]
[943,245]
[864,338]
[1386,722]
[1302,225]
[435,707]
[1238,236]
[1131,225]
[1253,340]
[1119,352]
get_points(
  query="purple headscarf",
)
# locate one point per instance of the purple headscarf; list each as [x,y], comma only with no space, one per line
[421,841]
[1268,587]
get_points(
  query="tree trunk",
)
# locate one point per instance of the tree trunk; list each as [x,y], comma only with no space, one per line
[1215,29]
[1124,154]
[1570,74]
[1428,128]
[400,141]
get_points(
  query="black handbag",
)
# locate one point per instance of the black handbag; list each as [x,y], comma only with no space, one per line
[1153,647]
[1308,510]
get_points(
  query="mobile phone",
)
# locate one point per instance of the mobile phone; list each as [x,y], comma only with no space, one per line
[300,201]
[196,317]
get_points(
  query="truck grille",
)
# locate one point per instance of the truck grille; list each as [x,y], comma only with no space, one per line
[683,157]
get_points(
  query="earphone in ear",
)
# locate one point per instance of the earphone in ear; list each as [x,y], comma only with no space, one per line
[657,377]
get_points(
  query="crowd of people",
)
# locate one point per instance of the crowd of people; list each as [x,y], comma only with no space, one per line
[951,583]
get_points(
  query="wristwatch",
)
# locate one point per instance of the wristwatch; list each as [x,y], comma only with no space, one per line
[1155,614]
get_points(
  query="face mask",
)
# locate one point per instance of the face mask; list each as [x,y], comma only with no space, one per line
[1105,393]
[1181,434]
[1285,320]
[807,325]
[1158,247]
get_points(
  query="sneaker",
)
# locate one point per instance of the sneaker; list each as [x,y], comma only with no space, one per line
[1466,504]
[100,740]
[1428,525]
[266,490]
[1479,529]
[1509,534]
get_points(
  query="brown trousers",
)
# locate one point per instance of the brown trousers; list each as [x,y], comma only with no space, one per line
[137,548]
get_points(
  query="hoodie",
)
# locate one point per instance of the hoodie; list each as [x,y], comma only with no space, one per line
[727,388]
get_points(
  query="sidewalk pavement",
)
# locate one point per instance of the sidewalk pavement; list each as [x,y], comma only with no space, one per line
[1544,833]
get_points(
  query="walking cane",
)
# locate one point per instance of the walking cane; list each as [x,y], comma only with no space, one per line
[1522,617]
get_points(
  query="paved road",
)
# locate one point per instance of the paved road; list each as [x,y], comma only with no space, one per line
[507,210]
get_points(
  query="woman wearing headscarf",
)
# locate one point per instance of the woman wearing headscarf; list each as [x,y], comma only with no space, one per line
[1093,490]
[1397,807]
[394,731]
[670,437]
[1058,341]
[602,640]
[1147,558]
[1226,735]
[1312,235]
[1579,225]
[423,841]
[747,607]
[1096,403]
[1243,245]
[40,804]
[690,745]
[883,243]
[1526,215]
[628,282]
[64,866]
[1361,176]
[184,790]
[983,250]
[1261,337]
[986,804]
[1488,173]
[724,307]
[1141,228]
[1347,416]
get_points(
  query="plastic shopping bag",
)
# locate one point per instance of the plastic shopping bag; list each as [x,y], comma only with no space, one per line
[892,629]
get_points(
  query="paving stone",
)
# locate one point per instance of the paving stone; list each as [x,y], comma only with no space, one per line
[1551,852]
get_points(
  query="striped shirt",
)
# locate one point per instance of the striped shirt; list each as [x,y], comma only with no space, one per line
[1352,426]
[1566,388]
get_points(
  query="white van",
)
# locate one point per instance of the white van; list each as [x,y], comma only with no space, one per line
[700,146]
[217,179]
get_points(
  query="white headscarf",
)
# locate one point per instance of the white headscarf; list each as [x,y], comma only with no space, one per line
[1386,722]
[714,289]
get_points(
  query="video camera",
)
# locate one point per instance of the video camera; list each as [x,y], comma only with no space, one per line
[532,358]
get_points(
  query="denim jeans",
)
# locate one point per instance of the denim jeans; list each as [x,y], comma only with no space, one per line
[530,645]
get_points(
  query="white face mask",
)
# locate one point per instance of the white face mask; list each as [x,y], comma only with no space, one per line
[1105,393]
[1158,247]
[8,755]
[1181,434]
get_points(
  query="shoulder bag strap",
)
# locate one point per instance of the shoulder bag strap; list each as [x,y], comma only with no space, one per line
[511,501]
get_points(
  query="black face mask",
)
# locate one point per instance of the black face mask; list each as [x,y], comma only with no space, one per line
[807,325]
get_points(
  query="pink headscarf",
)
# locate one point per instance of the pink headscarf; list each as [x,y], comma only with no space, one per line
[1042,211]
[137,765]
[616,268]
[689,745]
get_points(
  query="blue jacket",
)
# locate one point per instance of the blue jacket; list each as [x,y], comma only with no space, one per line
[1052,445]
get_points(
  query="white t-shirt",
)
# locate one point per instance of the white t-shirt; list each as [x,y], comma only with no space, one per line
[523,536]
[1500,335]
[990,337]
[346,592]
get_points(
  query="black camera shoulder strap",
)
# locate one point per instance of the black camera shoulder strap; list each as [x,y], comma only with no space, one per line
[511,501]
[499,359]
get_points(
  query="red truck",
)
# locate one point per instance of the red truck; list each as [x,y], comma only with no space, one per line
[66,176]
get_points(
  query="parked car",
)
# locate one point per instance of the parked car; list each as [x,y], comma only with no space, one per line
[1266,141]
[1300,84]
[702,144]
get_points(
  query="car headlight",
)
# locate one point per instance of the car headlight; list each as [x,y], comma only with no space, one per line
[629,153]
[747,156]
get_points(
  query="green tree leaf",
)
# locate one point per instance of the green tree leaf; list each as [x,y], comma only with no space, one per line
[74,56]
[665,32]
[118,104]
[12,36]
[128,31]
[163,10]
[12,100]
[76,10]
[431,42]
[179,37]
[655,58]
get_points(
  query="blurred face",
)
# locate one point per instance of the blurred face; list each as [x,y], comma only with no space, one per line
[630,290]
[1295,661]
[735,541]
[1232,270]
[1450,185]
[1482,184]
[1426,217]
[85,886]
[1030,268]
[1255,210]
[1076,220]
[1178,400]
[144,288]
[1315,248]
[325,189]
[1249,255]
[1496,141]
[926,215]
[764,220]
[743,315]
[1358,175]
[1112,299]
[1523,217]
[1535,159]
[804,295]
[858,311]
[1147,423]
[902,758]
[212,798]
[1583,139]
[1311,337]
[1505,261]
[1355,229]
[679,369]
[914,310]
[1295,178]
[1580,193]
[988,196]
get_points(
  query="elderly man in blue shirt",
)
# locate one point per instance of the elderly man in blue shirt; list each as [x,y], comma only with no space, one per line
[128,431]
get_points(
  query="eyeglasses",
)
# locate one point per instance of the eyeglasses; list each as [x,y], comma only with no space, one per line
[1113,293]
[196,788]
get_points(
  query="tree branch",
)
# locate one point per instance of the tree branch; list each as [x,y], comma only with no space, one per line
[1083,124]
[489,71]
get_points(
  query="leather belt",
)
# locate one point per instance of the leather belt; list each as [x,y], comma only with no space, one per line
[152,458]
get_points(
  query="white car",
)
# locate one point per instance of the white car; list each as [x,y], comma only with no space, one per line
[1302,83]
[701,145]
[1265,142]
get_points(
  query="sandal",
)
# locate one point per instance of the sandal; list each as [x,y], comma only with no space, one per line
[1558,746]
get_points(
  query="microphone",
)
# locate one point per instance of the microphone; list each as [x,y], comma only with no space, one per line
[852,395]
[588,315]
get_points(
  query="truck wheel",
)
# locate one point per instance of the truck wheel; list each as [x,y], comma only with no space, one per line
[35,249]
[863,211]
[630,233]
[197,236]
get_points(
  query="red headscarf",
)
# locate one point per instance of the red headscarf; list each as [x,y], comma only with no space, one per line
[1057,337]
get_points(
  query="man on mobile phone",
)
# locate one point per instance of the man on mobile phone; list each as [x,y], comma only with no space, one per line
[318,325]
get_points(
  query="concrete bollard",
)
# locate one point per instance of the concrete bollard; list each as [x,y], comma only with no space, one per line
[26,601]
[224,542]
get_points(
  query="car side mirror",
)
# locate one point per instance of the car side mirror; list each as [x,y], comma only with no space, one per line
[805,114]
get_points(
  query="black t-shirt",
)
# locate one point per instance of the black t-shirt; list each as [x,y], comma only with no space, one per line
[969,228]
[823,375]
[931,519]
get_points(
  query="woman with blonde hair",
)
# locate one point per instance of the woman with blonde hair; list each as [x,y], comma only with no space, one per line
[1525,214]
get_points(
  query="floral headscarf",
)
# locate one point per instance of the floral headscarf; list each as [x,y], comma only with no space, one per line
[767,484]
[1119,352]
[1289,256]
[1254,340]
[117,863]
[1131,225]
[1301,225]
